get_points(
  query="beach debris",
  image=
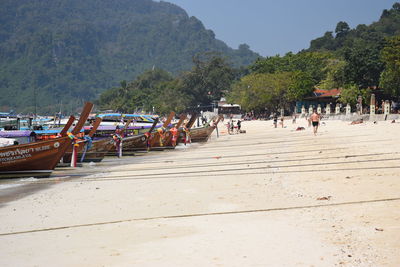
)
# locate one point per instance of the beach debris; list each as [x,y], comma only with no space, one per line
[324,198]
[348,177]
[379,229]
[357,122]
[300,129]
[97,188]
[375,122]
[217,157]
[393,121]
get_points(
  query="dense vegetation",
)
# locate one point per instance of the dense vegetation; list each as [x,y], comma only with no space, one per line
[156,90]
[65,52]
[353,59]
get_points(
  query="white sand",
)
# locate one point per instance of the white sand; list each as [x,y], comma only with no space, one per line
[240,200]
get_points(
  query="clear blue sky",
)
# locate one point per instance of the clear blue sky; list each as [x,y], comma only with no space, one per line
[273,27]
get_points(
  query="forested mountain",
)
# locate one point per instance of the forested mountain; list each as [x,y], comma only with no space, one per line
[70,51]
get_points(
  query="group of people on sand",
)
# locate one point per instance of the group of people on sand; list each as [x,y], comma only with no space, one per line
[313,120]
[275,118]
[231,126]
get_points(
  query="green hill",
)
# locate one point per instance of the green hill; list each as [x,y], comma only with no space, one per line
[362,47]
[65,52]
[344,37]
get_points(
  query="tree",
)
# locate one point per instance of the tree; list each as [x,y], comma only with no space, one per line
[350,94]
[323,43]
[396,7]
[260,92]
[124,87]
[209,79]
[335,77]
[271,91]
[172,97]
[364,64]
[302,84]
[140,94]
[342,28]
[312,63]
[390,77]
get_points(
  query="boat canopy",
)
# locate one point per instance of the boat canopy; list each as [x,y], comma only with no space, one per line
[136,117]
[15,134]
[52,131]
[113,127]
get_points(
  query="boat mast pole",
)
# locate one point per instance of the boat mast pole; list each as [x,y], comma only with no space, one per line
[34,100]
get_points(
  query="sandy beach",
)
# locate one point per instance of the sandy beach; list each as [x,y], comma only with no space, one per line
[269,197]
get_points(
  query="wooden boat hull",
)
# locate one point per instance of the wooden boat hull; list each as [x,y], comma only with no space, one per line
[96,153]
[201,134]
[98,150]
[34,159]
[131,143]
[156,141]
[168,137]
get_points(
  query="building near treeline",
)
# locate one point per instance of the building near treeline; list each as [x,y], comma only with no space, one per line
[322,97]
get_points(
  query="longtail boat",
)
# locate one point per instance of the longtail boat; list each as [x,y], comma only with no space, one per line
[157,138]
[185,134]
[138,142]
[141,121]
[38,159]
[172,135]
[88,150]
[118,138]
[98,149]
[192,120]
[202,134]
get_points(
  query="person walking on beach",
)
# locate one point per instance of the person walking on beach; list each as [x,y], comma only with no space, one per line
[232,126]
[315,118]
[275,120]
